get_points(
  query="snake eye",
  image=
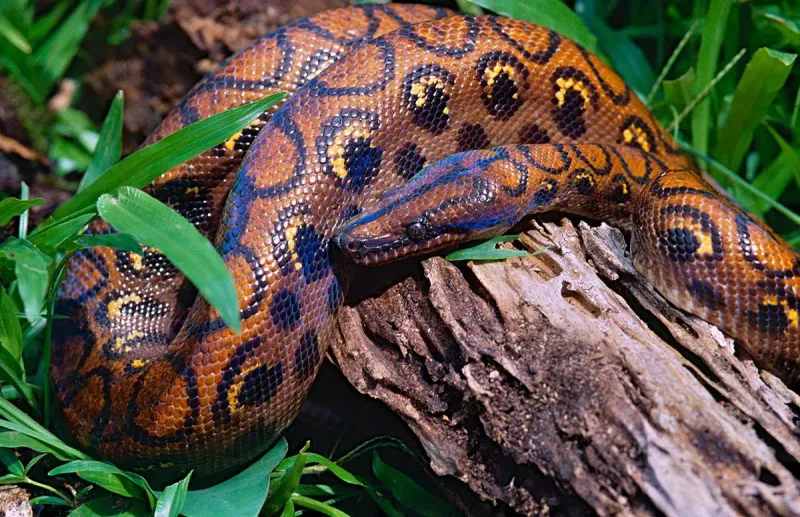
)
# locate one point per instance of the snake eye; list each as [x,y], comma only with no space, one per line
[416,231]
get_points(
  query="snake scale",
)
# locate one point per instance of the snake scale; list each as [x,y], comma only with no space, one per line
[409,129]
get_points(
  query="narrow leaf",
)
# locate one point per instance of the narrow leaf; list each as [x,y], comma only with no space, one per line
[12,207]
[15,37]
[409,493]
[553,14]
[120,241]
[109,147]
[155,224]
[10,331]
[145,165]
[53,235]
[763,78]
[488,250]
[707,60]
[171,501]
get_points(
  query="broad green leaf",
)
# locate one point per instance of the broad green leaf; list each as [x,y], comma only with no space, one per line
[155,224]
[109,147]
[763,78]
[409,493]
[51,236]
[10,331]
[145,165]
[171,501]
[109,477]
[553,14]
[12,207]
[31,268]
[488,250]
[12,463]
[707,60]
[120,241]
[243,495]
[626,57]
[110,506]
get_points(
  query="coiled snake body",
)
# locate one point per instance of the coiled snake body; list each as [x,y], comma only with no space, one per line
[147,374]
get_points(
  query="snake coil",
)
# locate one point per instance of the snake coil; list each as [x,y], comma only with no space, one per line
[385,150]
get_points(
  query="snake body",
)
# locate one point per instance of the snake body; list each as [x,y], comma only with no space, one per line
[147,374]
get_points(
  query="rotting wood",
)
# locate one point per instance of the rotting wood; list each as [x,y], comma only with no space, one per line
[562,383]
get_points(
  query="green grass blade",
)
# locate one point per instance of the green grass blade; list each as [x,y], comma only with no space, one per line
[145,165]
[408,492]
[772,181]
[119,241]
[155,224]
[53,235]
[171,501]
[488,250]
[10,331]
[58,50]
[713,37]
[15,37]
[109,146]
[763,78]
[741,182]
[553,14]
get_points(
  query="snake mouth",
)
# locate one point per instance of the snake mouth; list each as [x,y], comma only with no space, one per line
[374,250]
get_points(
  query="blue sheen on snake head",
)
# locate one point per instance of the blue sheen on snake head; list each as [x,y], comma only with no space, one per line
[451,201]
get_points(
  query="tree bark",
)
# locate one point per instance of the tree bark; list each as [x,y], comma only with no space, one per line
[563,383]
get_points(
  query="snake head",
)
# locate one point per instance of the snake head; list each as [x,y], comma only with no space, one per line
[452,201]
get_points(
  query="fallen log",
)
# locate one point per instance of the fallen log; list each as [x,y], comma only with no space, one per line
[563,383]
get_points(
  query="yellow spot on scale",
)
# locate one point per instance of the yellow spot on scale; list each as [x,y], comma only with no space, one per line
[115,306]
[491,74]
[336,151]
[636,134]
[706,245]
[792,315]
[192,190]
[137,363]
[230,143]
[233,392]
[120,342]
[136,261]
[567,84]
[419,88]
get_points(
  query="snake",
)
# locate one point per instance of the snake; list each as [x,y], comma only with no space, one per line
[408,129]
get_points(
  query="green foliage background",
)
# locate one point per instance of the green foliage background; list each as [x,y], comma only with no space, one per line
[721,74]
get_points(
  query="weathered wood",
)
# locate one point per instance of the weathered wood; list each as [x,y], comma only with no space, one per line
[564,383]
